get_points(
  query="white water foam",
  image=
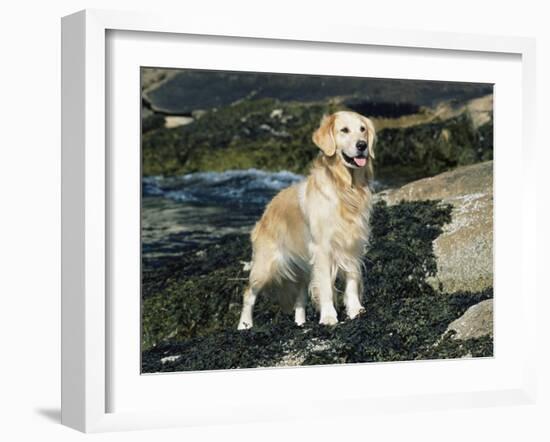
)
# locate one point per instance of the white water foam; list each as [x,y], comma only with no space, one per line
[243,186]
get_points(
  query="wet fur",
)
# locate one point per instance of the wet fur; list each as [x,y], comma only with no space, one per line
[313,231]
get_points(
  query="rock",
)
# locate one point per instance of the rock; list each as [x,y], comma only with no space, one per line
[476,322]
[464,251]
[476,178]
[175,91]
[172,358]
[152,78]
[176,121]
[480,110]
[198,113]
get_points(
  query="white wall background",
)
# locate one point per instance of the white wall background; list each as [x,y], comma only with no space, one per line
[30,215]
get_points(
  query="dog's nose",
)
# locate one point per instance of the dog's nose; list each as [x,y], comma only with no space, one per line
[361,145]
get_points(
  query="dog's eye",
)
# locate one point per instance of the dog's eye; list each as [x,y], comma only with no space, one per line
[362,129]
[345,130]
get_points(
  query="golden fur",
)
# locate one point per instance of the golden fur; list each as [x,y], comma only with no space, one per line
[316,229]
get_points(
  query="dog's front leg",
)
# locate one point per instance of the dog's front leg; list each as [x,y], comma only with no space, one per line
[321,288]
[352,297]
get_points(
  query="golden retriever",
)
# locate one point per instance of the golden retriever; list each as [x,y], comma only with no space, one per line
[317,229]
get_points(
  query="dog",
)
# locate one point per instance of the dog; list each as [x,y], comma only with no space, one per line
[317,229]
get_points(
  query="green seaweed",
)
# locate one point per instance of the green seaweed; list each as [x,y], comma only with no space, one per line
[431,148]
[152,122]
[240,136]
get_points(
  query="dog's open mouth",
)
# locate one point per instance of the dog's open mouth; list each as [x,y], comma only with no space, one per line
[359,160]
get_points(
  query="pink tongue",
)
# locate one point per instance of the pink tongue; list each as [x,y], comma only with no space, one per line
[360,161]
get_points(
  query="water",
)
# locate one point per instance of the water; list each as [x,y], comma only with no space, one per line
[233,187]
[184,212]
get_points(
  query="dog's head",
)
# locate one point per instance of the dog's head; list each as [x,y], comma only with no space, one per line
[348,135]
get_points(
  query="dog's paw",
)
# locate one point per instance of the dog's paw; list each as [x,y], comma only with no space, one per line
[328,320]
[300,317]
[353,313]
[244,325]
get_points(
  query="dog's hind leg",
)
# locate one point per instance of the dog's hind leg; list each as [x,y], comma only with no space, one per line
[300,302]
[263,277]
[300,306]
[293,299]
[249,298]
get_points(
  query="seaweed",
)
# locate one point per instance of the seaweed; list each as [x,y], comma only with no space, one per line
[264,134]
[273,135]
[428,149]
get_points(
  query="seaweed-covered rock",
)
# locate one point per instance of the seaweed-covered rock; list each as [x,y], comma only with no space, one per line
[191,306]
[407,153]
[464,251]
[275,135]
[262,134]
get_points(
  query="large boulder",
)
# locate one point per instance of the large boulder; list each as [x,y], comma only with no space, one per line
[175,91]
[464,251]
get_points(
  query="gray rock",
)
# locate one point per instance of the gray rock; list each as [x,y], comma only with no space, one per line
[464,251]
[152,78]
[465,180]
[477,321]
[176,91]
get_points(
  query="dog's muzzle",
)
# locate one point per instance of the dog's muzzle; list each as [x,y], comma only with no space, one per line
[358,160]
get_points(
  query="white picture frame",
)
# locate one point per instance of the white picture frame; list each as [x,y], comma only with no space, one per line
[86,206]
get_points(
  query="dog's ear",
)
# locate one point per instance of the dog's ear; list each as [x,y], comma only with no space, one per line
[324,138]
[371,135]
